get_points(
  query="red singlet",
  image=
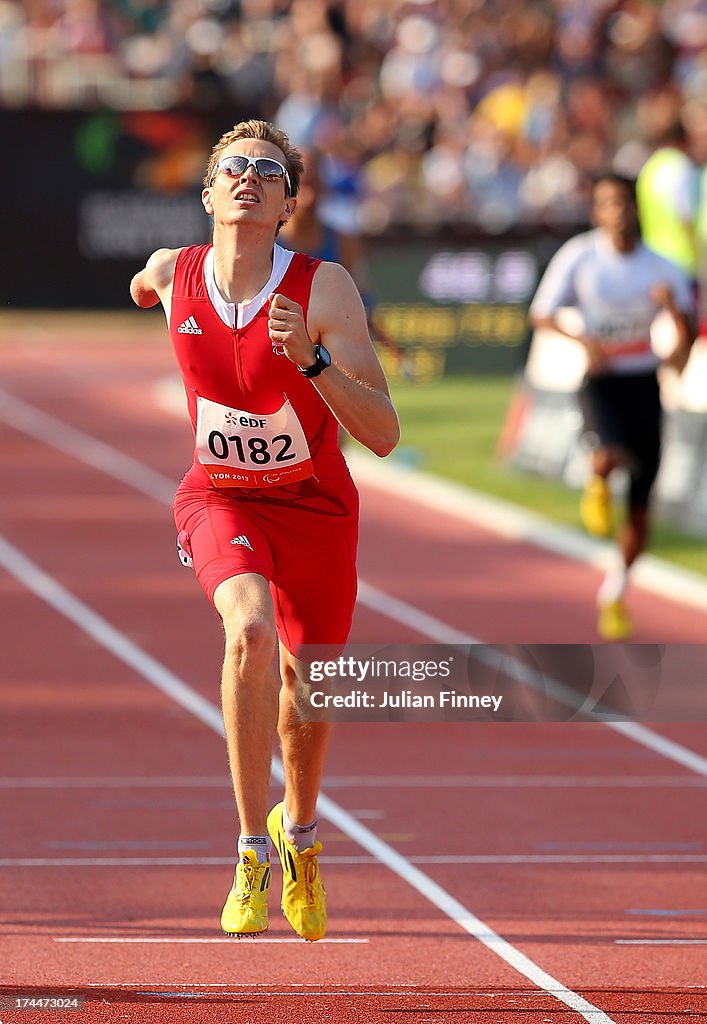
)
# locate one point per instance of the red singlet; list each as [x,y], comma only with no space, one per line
[301,536]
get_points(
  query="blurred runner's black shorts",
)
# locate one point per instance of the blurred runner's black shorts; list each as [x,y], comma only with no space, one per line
[624,411]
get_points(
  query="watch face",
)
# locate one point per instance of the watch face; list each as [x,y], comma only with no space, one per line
[322,361]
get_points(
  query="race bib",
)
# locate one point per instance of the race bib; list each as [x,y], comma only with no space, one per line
[246,449]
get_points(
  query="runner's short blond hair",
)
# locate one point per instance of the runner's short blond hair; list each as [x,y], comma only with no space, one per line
[254,129]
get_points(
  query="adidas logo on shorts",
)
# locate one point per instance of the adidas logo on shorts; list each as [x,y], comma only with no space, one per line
[190,326]
[242,540]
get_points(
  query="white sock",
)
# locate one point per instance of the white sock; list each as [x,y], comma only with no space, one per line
[303,836]
[614,584]
[260,844]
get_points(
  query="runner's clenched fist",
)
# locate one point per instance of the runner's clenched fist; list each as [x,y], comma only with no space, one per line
[286,326]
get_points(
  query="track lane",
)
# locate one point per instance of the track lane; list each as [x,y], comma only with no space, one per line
[124,610]
[487,586]
[414,931]
[587,727]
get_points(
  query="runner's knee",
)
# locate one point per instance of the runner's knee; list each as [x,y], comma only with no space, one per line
[288,675]
[250,636]
[248,619]
[604,460]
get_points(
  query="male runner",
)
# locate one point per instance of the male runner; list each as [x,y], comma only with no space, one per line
[273,350]
[618,285]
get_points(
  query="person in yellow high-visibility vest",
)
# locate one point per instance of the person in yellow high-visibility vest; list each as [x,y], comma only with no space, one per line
[667,191]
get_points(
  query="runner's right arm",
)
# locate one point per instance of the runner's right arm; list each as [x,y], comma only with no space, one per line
[556,290]
[154,283]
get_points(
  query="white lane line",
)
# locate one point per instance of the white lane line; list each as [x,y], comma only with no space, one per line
[118,782]
[503,663]
[434,629]
[414,618]
[660,942]
[312,987]
[363,860]
[400,989]
[518,524]
[364,993]
[515,781]
[368,782]
[661,745]
[440,632]
[50,591]
[666,912]
[186,940]
[53,432]
[117,862]
[56,434]
[57,597]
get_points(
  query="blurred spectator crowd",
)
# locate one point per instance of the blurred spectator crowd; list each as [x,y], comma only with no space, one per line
[489,113]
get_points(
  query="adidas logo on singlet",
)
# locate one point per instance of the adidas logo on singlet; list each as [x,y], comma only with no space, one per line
[190,326]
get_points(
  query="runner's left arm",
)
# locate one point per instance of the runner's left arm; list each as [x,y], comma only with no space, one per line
[677,299]
[153,283]
[354,386]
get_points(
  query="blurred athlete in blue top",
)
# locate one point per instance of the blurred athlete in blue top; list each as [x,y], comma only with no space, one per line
[308,231]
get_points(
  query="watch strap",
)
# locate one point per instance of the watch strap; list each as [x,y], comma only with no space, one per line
[322,361]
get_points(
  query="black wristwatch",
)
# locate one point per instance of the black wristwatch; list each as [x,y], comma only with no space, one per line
[323,360]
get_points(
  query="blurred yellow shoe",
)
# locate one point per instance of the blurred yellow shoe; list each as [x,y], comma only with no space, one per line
[595,508]
[614,622]
[246,909]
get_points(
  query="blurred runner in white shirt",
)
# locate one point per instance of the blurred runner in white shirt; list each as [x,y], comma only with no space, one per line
[618,285]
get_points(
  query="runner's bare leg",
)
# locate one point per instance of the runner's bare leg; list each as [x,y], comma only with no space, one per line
[304,747]
[249,693]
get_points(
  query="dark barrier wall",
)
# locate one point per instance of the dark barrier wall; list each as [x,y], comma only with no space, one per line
[457,304]
[88,195]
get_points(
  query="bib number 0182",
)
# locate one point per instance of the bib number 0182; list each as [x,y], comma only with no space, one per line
[258,451]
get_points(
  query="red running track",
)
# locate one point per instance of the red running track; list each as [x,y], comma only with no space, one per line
[583,850]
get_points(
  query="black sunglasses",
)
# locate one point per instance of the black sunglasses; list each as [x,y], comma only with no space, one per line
[265,168]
